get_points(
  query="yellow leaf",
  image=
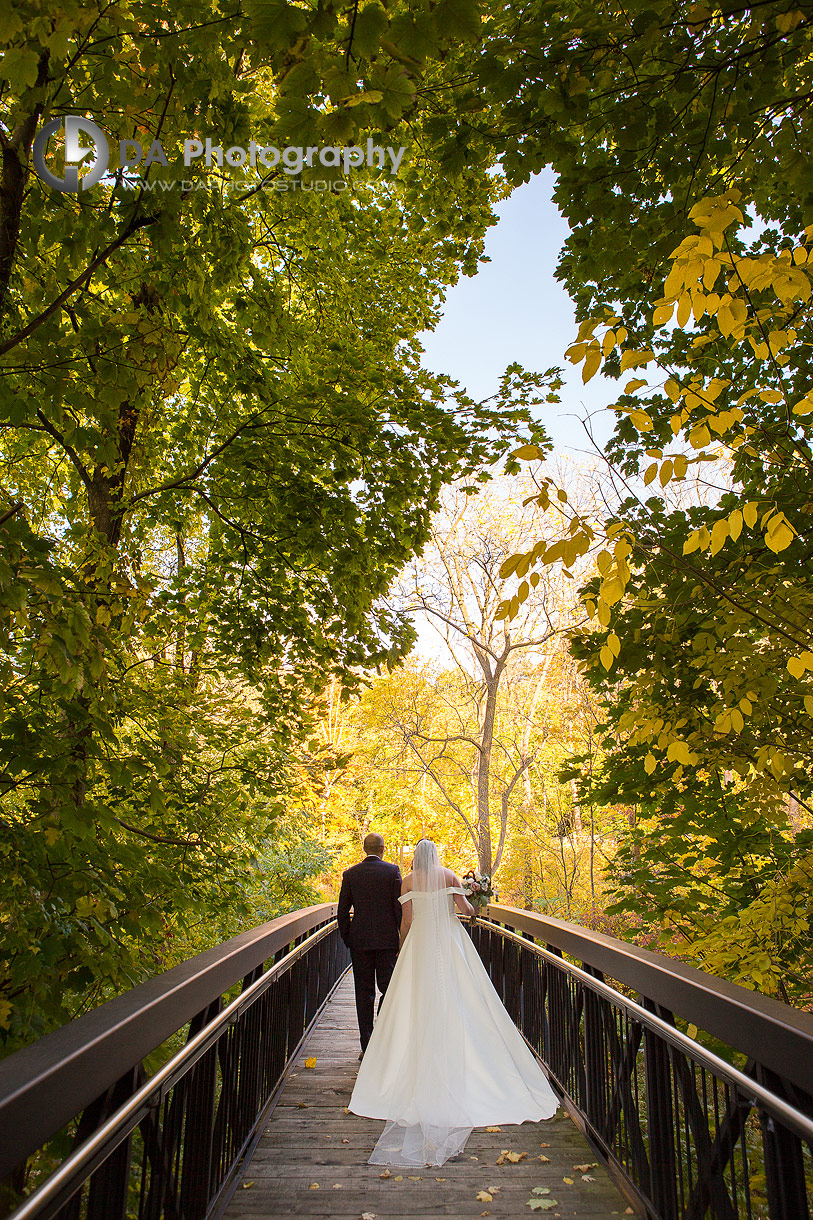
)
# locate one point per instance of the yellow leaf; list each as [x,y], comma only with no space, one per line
[651,471]
[591,363]
[311,1063]
[672,390]
[641,420]
[678,751]
[796,667]
[692,542]
[699,436]
[808,709]
[603,613]
[313,1186]
[684,309]
[719,534]
[612,591]
[631,360]
[805,405]
[666,472]
[493,1129]
[650,763]
[750,514]
[568,1180]
[735,524]
[634,385]
[779,533]
[247,1185]
[542,1157]
[483,1196]
[681,464]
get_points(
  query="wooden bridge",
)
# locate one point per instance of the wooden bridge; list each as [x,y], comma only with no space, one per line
[233,1124]
[312,1149]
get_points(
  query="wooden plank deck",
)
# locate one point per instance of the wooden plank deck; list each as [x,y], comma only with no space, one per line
[312,1157]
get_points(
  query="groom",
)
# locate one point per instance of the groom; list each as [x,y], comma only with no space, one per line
[371,889]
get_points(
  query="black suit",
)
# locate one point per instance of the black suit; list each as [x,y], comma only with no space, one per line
[371,889]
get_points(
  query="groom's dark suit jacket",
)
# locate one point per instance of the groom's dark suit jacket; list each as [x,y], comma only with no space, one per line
[371,889]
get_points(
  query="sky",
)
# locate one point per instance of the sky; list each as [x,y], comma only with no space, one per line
[514,310]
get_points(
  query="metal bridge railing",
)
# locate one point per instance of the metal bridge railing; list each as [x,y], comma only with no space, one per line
[169,1147]
[688,1135]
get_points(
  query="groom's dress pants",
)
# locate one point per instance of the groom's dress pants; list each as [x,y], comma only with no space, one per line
[370,965]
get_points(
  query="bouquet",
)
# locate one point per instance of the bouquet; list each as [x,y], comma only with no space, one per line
[477,888]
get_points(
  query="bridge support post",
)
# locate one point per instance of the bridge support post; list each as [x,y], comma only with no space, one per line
[660,1120]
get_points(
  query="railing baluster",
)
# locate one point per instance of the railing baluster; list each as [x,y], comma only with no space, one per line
[784,1167]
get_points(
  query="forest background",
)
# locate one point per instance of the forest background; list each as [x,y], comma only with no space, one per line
[227,484]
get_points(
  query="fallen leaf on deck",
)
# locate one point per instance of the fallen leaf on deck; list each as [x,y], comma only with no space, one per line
[343,1141]
[440,1179]
[474,1158]
[346,1109]
[485,1213]
[313,1186]
[483,1196]
[311,1063]
[543,1158]
[512,1157]
[588,1177]
[385,1174]
[303,1105]
[542,1205]
[399,1177]
[586,1168]
[337,1186]
[246,1185]
[540,1190]
[568,1180]
[413,1178]
[628,1211]
[544,1145]
[493,1128]
[369,1216]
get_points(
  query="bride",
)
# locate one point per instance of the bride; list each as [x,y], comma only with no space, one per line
[444,1055]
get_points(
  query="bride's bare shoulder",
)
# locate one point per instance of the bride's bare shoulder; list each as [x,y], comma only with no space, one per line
[451,878]
[406,883]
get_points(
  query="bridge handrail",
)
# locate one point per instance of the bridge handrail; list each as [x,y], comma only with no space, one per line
[801,1123]
[119,1125]
[46,1084]
[771,1033]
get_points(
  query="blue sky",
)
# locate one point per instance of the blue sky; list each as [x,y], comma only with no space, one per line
[514,310]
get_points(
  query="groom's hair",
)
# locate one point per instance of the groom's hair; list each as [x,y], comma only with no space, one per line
[374,845]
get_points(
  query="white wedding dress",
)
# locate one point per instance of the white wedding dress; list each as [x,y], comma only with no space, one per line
[444,1056]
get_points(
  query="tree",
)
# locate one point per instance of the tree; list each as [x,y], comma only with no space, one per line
[217,449]
[500,671]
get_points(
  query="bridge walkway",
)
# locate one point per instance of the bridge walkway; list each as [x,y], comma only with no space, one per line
[311,1159]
